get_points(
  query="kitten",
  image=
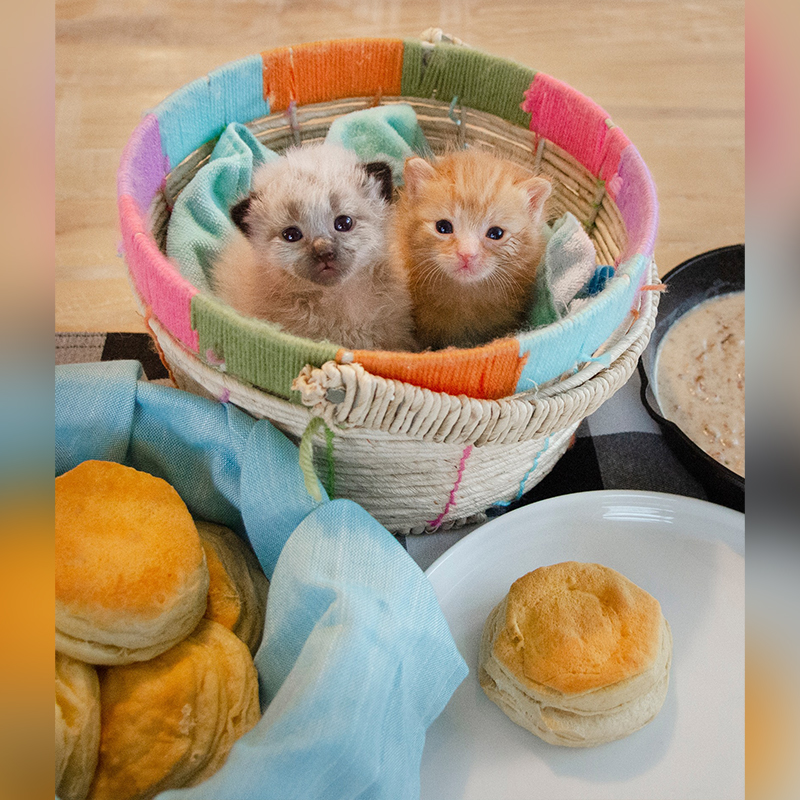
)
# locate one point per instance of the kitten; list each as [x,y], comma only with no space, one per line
[310,251]
[469,235]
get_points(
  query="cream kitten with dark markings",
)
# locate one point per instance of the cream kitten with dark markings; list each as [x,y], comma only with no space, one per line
[469,234]
[310,252]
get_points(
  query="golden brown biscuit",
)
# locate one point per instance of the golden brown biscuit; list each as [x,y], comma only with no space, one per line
[77,726]
[577,654]
[171,721]
[131,578]
[237,593]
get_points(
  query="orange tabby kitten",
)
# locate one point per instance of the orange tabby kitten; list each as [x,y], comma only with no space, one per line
[469,234]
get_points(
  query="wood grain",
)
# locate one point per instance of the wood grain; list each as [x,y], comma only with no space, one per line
[670,74]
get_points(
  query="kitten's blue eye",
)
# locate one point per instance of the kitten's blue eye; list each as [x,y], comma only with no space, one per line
[495,233]
[444,226]
[292,234]
[343,223]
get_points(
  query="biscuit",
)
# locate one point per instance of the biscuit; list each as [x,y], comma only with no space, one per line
[237,593]
[130,574]
[77,726]
[577,654]
[171,721]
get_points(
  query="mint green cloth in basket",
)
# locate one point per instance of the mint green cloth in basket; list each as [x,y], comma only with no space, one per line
[200,223]
[357,659]
[384,133]
[565,272]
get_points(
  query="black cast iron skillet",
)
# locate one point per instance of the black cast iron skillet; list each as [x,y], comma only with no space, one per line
[703,277]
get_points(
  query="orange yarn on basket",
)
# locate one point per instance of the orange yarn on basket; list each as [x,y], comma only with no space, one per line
[320,71]
[487,373]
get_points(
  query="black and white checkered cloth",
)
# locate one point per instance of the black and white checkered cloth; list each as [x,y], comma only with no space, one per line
[617,447]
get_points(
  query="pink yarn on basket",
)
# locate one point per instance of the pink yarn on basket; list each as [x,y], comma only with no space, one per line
[161,288]
[452,499]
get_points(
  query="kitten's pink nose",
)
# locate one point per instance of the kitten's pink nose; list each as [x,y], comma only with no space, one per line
[467,249]
[465,260]
[323,250]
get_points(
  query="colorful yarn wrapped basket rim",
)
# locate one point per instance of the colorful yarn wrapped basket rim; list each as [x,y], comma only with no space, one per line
[522,396]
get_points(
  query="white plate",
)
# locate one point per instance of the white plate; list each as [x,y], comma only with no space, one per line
[689,555]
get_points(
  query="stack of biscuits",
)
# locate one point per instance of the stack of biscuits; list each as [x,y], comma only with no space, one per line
[158,617]
[577,654]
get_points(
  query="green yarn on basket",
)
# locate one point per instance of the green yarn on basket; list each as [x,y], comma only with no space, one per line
[479,80]
[253,350]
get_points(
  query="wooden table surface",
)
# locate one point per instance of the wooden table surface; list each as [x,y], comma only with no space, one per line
[670,74]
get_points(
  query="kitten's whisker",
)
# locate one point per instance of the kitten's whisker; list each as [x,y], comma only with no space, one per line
[504,283]
[429,274]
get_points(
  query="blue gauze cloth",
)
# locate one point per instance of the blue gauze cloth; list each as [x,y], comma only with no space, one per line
[357,659]
[200,224]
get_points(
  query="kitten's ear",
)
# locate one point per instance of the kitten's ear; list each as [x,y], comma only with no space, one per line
[538,190]
[416,171]
[238,214]
[382,172]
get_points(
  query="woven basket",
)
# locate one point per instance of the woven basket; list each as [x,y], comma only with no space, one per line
[421,441]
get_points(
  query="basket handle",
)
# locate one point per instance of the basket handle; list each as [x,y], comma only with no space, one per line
[347,396]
